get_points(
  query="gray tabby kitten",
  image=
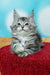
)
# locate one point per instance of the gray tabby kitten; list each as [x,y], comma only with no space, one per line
[25,38]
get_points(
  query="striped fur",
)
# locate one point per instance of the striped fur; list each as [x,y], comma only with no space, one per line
[25,39]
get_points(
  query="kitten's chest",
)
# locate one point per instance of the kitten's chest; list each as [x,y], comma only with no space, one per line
[22,38]
[26,40]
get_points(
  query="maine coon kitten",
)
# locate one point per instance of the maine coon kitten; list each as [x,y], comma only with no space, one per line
[25,39]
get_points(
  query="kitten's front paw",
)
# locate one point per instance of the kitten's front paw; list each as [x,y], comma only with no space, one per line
[22,54]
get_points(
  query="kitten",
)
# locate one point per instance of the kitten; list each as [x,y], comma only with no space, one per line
[25,39]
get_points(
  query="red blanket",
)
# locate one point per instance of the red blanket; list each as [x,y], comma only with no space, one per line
[35,64]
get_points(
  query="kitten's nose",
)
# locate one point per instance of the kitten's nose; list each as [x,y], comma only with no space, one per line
[22,27]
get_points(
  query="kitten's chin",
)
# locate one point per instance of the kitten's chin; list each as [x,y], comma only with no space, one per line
[22,31]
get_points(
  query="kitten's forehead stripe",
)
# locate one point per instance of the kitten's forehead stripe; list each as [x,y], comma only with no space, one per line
[23,18]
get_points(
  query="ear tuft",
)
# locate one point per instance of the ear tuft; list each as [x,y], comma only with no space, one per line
[31,17]
[15,15]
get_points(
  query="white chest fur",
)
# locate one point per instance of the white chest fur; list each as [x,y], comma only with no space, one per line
[22,39]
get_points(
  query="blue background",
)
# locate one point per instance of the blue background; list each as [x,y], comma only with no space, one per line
[27,5]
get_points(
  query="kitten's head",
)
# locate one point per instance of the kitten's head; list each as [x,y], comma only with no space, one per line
[23,24]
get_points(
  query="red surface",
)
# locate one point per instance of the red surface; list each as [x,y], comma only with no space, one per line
[35,64]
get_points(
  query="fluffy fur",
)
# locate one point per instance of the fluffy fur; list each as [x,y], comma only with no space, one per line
[25,39]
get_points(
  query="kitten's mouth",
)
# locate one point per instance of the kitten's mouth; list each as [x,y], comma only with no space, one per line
[22,30]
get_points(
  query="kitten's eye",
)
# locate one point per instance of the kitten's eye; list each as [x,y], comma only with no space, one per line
[19,24]
[26,24]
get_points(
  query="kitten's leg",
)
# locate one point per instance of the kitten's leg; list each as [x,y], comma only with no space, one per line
[28,52]
[16,48]
[25,53]
[22,54]
[13,45]
[32,50]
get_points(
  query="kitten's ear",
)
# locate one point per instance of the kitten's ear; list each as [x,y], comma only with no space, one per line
[31,17]
[15,15]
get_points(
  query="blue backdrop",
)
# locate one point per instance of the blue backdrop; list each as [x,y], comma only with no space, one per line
[41,13]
